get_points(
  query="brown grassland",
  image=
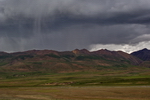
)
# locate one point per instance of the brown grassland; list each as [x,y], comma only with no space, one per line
[76,93]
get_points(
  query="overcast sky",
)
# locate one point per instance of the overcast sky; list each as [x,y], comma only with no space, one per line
[69,24]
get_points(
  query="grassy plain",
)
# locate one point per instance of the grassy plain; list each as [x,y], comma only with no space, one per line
[76,93]
[127,84]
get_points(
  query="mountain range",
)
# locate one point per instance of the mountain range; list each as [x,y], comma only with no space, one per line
[71,61]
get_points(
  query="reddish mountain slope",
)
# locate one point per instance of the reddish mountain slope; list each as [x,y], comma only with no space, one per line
[67,61]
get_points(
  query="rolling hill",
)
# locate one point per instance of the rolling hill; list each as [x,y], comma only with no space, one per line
[67,61]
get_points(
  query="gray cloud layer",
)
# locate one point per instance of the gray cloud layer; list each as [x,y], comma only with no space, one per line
[70,24]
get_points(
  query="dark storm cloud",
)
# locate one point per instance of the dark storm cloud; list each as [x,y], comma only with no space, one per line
[70,24]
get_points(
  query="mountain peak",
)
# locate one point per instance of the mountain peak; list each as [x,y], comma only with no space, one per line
[103,52]
[145,49]
[143,54]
